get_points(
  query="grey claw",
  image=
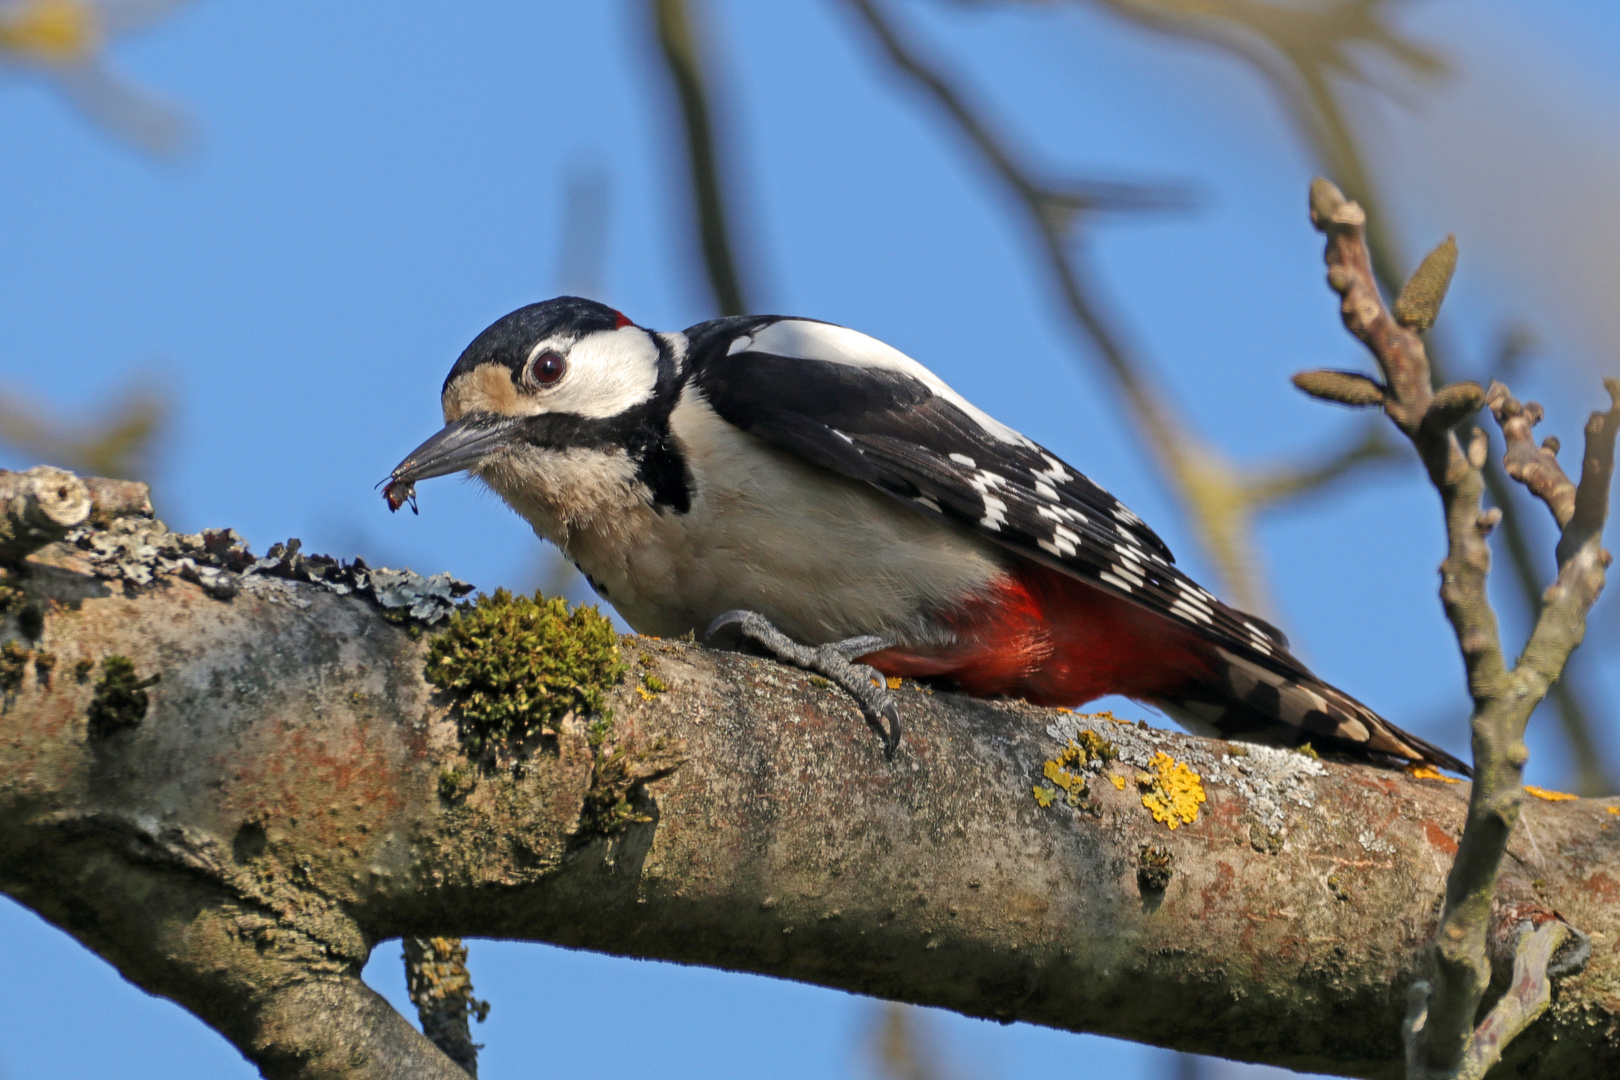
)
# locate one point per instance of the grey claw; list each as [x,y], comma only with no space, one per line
[891,738]
[726,621]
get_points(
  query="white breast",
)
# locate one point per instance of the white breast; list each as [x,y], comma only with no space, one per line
[822,556]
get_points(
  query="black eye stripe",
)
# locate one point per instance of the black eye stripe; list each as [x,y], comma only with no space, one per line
[547,369]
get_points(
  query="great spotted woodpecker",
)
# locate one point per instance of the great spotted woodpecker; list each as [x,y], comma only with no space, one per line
[813,489]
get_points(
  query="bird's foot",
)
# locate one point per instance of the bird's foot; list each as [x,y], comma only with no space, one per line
[834,661]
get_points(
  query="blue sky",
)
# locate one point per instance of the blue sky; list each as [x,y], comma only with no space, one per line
[374,183]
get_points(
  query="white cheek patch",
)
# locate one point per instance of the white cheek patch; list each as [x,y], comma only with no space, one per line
[608,372]
[841,345]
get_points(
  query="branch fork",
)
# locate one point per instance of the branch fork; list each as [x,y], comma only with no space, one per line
[1441,1037]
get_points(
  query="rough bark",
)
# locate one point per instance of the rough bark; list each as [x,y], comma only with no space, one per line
[296,793]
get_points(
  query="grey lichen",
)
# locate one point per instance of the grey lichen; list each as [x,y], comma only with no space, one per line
[139,551]
[1270,779]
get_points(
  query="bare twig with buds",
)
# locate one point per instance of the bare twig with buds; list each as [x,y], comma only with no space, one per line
[1442,1039]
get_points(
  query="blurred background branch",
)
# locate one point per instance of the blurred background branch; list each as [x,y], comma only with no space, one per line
[1220,497]
[120,442]
[65,43]
[680,42]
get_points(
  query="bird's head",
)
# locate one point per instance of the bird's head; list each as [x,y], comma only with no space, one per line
[554,377]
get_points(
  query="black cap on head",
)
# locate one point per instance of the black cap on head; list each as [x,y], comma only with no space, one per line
[508,339]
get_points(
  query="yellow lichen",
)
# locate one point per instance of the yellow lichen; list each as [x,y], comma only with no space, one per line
[1045,795]
[1550,796]
[1172,792]
[1613,810]
[1119,782]
[1062,777]
[893,681]
[1087,749]
[1429,772]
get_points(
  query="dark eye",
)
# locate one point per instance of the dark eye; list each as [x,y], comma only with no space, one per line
[547,369]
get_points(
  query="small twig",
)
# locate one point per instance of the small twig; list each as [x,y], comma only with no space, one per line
[118,443]
[1443,1040]
[441,988]
[1527,997]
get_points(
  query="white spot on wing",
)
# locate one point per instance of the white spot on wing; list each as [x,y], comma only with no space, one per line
[1129,572]
[1190,613]
[964,461]
[986,480]
[1117,582]
[1054,470]
[995,513]
[737,346]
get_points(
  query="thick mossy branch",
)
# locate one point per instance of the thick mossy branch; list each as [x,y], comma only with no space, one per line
[296,792]
[515,666]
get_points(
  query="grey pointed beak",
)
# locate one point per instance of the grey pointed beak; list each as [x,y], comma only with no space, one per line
[461,445]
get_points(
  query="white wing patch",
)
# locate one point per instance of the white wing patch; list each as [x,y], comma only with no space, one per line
[841,345]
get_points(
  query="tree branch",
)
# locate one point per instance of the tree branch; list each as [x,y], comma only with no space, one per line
[440,986]
[1443,1040]
[295,792]
[682,52]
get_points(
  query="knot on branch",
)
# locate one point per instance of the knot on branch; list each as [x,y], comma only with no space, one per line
[39,507]
[276,907]
[1515,920]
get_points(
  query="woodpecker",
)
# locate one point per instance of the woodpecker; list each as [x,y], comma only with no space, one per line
[811,489]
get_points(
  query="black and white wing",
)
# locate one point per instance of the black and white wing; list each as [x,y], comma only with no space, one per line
[850,403]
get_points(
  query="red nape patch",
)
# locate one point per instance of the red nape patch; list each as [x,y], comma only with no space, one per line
[1052,639]
[621,322]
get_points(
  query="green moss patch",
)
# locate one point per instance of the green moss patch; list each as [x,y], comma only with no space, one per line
[516,665]
[13,665]
[120,698]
